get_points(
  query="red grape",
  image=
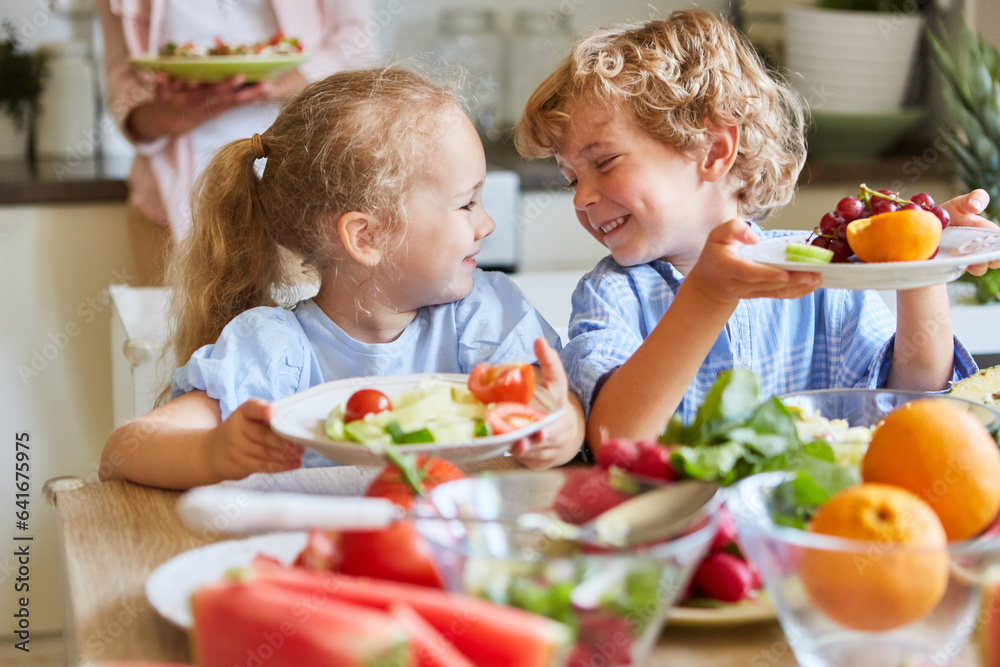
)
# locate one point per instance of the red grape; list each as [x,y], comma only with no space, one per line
[842,232]
[850,208]
[880,205]
[829,222]
[924,200]
[887,193]
[821,242]
[942,215]
[911,207]
[841,251]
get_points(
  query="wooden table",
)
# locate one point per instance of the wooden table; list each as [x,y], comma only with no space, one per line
[115,533]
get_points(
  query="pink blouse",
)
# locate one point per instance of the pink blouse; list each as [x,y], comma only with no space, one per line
[162,176]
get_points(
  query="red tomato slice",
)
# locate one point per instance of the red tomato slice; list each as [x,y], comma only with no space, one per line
[396,553]
[505,418]
[365,401]
[391,483]
[512,383]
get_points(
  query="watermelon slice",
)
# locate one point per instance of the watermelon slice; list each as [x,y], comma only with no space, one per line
[243,623]
[488,634]
[430,647]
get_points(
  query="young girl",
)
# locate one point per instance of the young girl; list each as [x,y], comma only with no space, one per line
[374,178]
[673,135]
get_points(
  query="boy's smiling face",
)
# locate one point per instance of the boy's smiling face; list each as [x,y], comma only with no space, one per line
[641,198]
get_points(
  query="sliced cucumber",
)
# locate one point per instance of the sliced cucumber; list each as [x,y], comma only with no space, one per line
[366,432]
[807,254]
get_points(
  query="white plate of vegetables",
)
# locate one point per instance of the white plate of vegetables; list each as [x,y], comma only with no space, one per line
[425,413]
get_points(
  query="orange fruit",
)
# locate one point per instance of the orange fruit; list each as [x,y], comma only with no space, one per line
[898,236]
[945,455]
[900,573]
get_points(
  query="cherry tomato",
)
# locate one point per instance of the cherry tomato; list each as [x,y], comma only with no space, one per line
[505,418]
[502,383]
[365,401]
[391,483]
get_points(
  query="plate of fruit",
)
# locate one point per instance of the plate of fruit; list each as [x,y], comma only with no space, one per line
[880,240]
[456,416]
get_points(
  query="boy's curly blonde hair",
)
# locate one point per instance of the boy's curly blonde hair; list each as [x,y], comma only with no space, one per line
[681,79]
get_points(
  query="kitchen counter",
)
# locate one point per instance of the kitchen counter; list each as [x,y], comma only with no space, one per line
[50,181]
[103,179]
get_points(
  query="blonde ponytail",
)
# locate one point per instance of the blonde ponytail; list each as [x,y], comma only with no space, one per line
[229,263]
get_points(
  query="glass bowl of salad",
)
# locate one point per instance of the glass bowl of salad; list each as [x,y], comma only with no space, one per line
[846,417]
[764,506]
[614,600]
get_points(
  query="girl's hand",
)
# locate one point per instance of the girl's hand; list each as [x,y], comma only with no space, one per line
[558,442]
[722,276]
[964,211]
[244,444]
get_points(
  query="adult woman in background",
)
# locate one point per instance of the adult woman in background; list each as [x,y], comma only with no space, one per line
[177,126]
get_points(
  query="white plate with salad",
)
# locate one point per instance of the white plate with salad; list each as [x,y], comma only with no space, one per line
[438,403]
[757,610]
[959,248]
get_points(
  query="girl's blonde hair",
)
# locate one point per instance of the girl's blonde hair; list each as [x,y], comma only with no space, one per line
[681,79]
[354,141]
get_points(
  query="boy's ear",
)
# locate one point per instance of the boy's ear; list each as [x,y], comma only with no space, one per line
[721,153]
[357,233]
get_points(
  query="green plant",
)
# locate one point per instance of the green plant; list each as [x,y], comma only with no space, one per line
[970,71]
[22,77]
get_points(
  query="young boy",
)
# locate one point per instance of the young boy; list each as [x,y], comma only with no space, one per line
[675,139]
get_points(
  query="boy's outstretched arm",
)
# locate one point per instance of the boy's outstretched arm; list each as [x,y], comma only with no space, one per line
[559,442]
[185,443]
[642,394]
[924,351]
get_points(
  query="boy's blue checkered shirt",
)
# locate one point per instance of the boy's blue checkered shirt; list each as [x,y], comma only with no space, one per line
[830,338]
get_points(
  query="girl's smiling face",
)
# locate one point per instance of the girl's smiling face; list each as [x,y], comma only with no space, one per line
[445,222]
[641,198]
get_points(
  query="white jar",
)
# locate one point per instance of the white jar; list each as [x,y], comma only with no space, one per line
[468,39]
[67,127]
[540,41]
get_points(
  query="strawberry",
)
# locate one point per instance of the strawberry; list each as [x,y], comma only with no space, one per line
[620,452]
[653,460]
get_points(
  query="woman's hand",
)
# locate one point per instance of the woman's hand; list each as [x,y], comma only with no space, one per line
[181,106]
[560,441]
[964,211]
[244,444]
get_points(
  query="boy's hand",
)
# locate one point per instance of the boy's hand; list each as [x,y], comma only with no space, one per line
[965,210]
[244,444]
[723,276]
[558,442]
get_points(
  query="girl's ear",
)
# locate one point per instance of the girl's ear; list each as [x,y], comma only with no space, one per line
[721,153]
[357,233]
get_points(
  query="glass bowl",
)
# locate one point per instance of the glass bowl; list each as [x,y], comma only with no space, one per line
[817,640]
[614,600]
[867,407]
